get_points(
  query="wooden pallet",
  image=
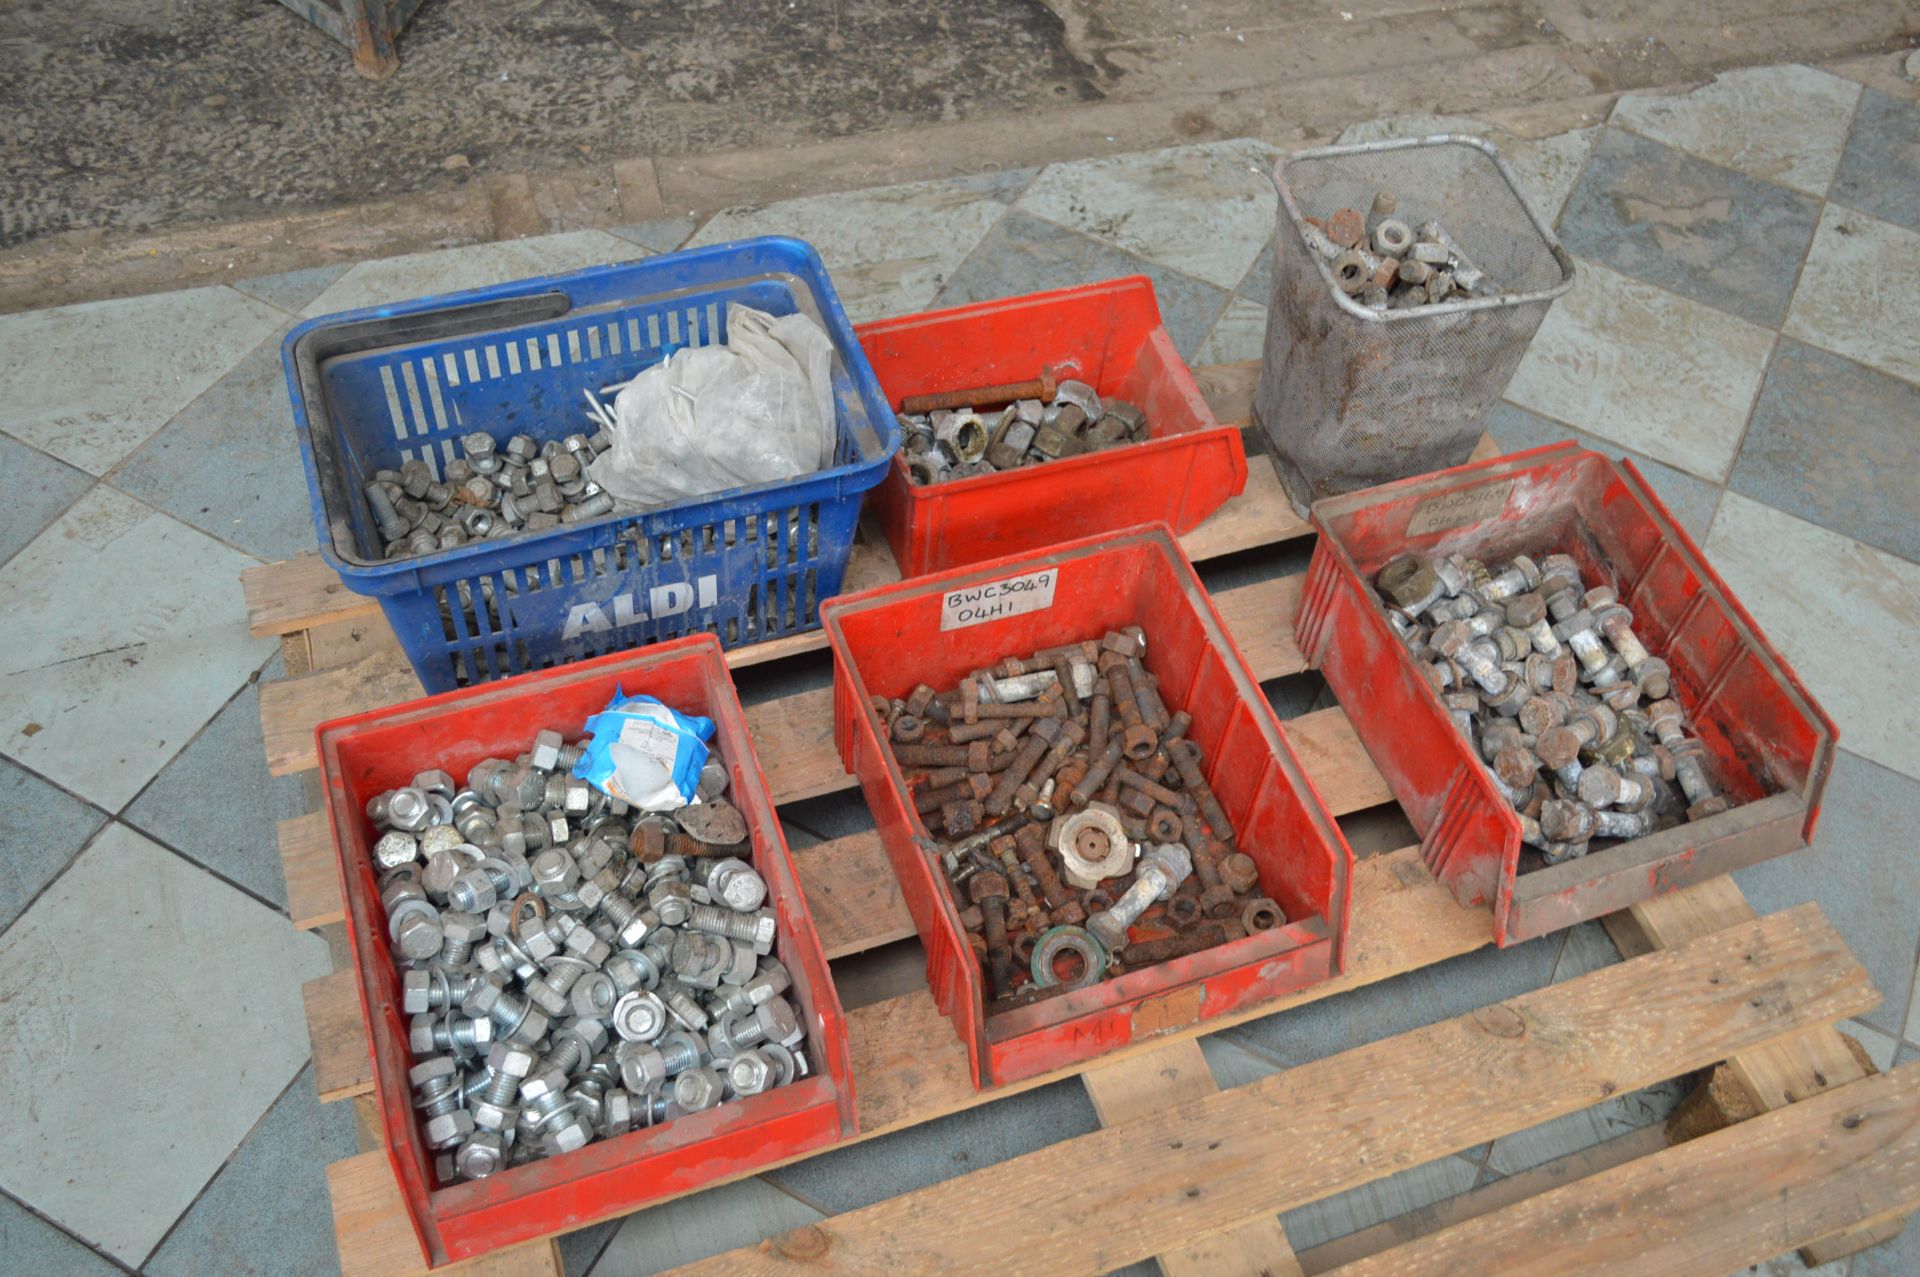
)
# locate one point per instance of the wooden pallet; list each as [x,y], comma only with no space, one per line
[1710,987]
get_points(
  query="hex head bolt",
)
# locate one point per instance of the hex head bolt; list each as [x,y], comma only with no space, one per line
[773,980]
[1006,852]
[1521,575]
[1137,740]
[1602,787]
[1031,841]
[1528,612]
[1550,851]
[1561,746]
[1650,673]
[1102,767]
[516,1018]
[393,527]
[973,786]
[1216,897]
[1689,760]
[756,929]
[1038,741]
[510,1063]
[989,891]
[1160,872]
[1186,760]
[771,1021]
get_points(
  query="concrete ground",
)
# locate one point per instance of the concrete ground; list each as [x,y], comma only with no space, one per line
[1745,327]
[156,144]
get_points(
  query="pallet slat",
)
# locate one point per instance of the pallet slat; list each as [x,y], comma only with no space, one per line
[1256,614]
[1770,1077]
[909,1067]
[1166,1078]
[1841,1161]
[370,1225]
[1324,1127]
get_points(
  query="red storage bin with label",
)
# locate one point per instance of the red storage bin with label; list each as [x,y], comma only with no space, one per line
[1108,335]
[937,629]
[1769,745]
[368,753]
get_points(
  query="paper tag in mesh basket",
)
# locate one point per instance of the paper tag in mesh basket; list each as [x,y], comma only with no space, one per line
[997,600]
[1459,508]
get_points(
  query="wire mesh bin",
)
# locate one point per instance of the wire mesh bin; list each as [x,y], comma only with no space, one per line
[1350,396]
[374,388]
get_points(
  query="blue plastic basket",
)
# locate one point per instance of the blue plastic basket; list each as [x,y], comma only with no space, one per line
[373,388]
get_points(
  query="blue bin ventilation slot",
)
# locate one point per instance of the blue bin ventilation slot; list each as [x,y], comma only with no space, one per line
[374,388]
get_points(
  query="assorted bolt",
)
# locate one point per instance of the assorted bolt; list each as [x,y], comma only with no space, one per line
[1083,838]
[1390,265]
[487,491]
[960,441]
[569,963]
[1547,680]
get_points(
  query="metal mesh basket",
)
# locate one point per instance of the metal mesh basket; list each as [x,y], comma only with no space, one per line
[1349,396]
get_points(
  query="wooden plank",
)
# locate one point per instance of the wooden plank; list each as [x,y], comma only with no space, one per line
[1258,615]
[371,1227]
[908,1066]
[298,594]
[1483,1200]
[1324,1127]
[1781,1073]
[342,1066]
[306,863]
[303,593]
[1846,1160]
[1171,1076]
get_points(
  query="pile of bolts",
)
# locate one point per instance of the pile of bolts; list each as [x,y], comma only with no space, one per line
[1547,680]
[1085,840]
[1389,265]
[487,491]
[1043,420]
[574,969]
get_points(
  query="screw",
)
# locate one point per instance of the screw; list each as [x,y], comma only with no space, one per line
[1160,871]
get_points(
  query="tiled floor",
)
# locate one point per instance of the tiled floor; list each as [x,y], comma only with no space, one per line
[1746,327]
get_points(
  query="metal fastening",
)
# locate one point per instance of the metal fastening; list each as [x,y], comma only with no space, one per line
[1563,732]
[537,986]
[958,441]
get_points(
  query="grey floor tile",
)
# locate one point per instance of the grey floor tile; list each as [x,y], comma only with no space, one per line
[1691,498]
[1233,1064]
[1863,872]
[1804,584]
[1877,325]
[1617,1116]
[99,694]
[1206,209]
[1880,170]
[88,383]
[1651,370]
[292,290]
[237,1229]
[704,1224]
[1005,185]
[662,235]
[1241,333]
[830,816]
[1257,287]
[1783,123]
[876,975]
[452,270]
[1025,254]
[46,828]
[1587,950]
[1383,1199]
[38,489]
[939,1150]
[215,802]
[1897,1258]
[889,249]
[229,462]
[581,1249]
[194,1051]
[1835,444]
[1704,231]
[32,1245]
[1410,1001]
[1880,1047]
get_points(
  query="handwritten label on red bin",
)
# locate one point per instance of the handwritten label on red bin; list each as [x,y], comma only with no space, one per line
[997,600]
[1459,508]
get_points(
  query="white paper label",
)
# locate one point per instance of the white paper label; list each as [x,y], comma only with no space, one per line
[997,600]
[650,738]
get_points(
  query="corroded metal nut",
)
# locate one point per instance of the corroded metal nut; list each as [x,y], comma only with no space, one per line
[1392,237]
[1351,273]
[1346,227]
[1240,873]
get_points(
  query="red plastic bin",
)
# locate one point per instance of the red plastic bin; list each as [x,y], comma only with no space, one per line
[1769,745]
[888,639]
[368,753]
[1108,335]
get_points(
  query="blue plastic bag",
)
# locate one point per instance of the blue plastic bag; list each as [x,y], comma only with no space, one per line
[644,753]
